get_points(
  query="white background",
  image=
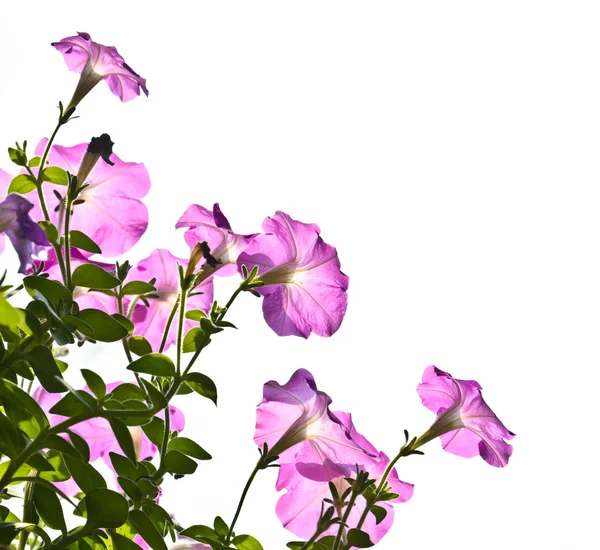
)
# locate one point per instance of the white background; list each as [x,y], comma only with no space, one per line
[449,150]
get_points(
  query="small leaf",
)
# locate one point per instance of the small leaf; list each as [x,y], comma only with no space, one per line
[123,437]
[189,448]
[195,314]
[359,538]
[246,542]
[142,524]
[177,463]
[202,384]
[54,174]
[50,230]
[22,409]
[52,290]
[155,430]
[34,162]
[194,339]
[43,364]
[379,512]
[104,328]
[221,528]
[131,489]
[139,345]
[105,508]
[23,184]
[155,364]
[95,383]
[122,543]
[85,475]
[137,288]
[93,276]
[83,242]
[18,156]
[48,507]
[80,444]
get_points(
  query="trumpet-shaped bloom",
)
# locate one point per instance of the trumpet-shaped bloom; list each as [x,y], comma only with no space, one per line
[214,228]
[85,298]
[25,234]
[150,321]
[304,291]
[316,446]
[5,179]
[99,435]
[96,62]
[465,424]
[113,215]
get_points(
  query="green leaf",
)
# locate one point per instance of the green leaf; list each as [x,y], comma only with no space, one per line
[74,403]
[80,444]
[57,443]
[104,327]
[9,530]
[138,287]
[60,472]
[131,489]
[200,533]
[155,430]
[202,384]
[126,391]
[123,466]
[52,290]
[379,512]
[105,508]
[17,156]
[188,447]
[22,409]
[95,382]
[144,526]
[50,230]
[221,528]
[11,442]
[123,437]
[155,364]
[38,462]
[359,538]
[139,345]
[122,543]
[42,362]
[93,276]
[23,184]
[54,174]
[84,474]
[195,314]
[34,162]
[194,339]
[246,542]
[48,507]
[9,316]
[83,242]
[125,322]
[177,463]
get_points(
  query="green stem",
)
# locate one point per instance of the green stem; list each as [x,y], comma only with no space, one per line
[242,498]
[28,512]
[180,329]
[165,444]
[312,539]
[163,342]
[68,282]
[125,344]
[344,518]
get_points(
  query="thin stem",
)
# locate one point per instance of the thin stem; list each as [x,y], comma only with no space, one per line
[165,444]
[180,329]
[68,282]
[28,512]
[242,498]
[312,539]
[125,344]
[344,518]
[163,342]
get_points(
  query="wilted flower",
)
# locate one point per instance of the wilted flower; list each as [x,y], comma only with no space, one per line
[304,290]
[112,213]
[214,228]
[17,224]
[96,62]
[465,424]
[150,321]
[316,446]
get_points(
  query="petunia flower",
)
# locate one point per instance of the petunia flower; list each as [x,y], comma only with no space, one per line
[97,62]
[5,179]
[150,321]
[316,446]
[465,424]
[24,233]
[113,215]
[99,435]
[304,290]
[214,228]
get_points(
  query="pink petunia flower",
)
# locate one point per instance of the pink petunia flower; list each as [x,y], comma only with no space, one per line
[214,228]
[150,321]
[99,435]
[5,179]
[113,215]
[97,62]
[304,291]
[316,446]
[465,424]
